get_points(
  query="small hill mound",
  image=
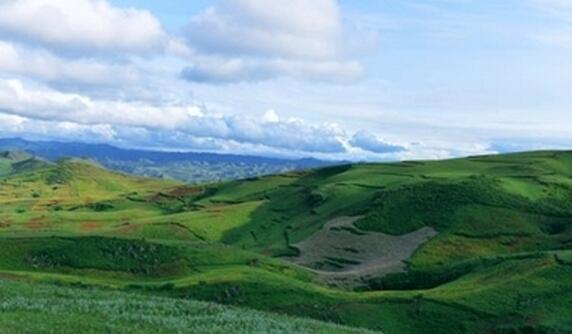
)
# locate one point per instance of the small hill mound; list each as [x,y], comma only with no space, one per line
[72,182]
[15,155]
[15,162]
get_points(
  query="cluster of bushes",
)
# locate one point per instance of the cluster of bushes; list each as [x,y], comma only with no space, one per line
[100,206]
[428,278]
[59,175]
[132,256]
[171,204]
[421,279]
[431,203]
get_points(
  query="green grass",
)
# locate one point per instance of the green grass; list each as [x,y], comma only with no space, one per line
[501,262]
[38,308]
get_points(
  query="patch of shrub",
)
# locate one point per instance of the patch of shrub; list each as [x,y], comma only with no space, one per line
[100,206]
[418,279]
[131,256]
[411,207]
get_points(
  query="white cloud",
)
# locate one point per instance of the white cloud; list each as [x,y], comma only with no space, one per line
[370,142]
[81,25]
[297,29]
[186,120]
[220,70]
[12,125]
[255,40]
[271,116]
[141,137]
[92,47]
[42,65]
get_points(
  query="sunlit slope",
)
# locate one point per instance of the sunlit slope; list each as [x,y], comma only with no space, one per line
[72,196]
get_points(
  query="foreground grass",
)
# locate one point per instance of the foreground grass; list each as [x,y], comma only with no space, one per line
[510,294]
[39,308]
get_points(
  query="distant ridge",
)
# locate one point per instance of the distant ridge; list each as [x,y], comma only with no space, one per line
[15,155]
[191,167]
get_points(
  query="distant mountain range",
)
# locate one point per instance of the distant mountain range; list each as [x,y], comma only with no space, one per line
[189,167]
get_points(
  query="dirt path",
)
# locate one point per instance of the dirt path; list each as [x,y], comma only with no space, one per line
[342,254]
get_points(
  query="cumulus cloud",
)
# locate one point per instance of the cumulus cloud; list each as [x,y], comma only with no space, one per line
[220,70]
[81,25]
[91,47]
[13,125]
[37,112]
[370,142]
[44,104]
[254,40]
[42,65]
[298,29]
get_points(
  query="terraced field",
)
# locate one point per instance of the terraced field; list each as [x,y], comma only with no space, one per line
[476,245]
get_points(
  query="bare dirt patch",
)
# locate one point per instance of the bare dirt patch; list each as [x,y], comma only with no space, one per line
[90,226]
[342,254]
[37,223]
[127,228]
[5,222]
[185,191]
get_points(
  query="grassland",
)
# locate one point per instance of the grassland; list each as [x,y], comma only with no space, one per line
[27,308]
[500,261]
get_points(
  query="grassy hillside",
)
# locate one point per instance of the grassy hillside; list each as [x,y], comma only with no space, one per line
[27,308]
[14,162]
[475,245]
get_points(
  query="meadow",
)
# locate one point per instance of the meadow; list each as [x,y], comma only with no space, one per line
[498,258]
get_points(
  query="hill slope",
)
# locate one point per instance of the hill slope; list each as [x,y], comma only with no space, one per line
[475,245]
[14,162]
[39,308]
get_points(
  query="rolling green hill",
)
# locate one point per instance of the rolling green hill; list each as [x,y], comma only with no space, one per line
[476,245]
[14,162]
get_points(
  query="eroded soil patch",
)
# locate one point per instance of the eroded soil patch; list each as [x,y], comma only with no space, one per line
[342,254]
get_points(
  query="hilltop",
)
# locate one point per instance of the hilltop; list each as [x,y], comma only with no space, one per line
[14,162]
[477,245]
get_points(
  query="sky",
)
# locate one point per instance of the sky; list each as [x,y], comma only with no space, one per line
[375,80]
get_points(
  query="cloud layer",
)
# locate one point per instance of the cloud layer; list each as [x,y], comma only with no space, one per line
[80,25]
[253,40]
[96,71]
[188,120]
[370,142]
[61,59]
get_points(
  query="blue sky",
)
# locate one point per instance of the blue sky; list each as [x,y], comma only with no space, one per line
[376,80]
